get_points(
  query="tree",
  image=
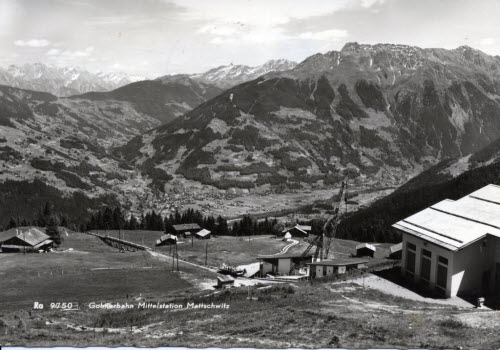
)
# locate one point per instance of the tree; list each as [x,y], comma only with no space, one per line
[52,229]
[12,223]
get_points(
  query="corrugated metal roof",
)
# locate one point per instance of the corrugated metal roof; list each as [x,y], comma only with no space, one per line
[339,262]
[366,245]
[456,224]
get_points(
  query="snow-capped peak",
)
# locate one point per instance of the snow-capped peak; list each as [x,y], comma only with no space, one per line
[62,81]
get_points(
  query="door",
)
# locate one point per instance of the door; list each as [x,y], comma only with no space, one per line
[497,278]
[486,281]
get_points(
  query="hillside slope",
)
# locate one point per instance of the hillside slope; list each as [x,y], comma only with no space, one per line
[380,114]
[58,149]
[164,98]
[450,179]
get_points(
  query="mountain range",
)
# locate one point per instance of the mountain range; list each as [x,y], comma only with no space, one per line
[380,114]
[230,75]
[68,81]
[62,81]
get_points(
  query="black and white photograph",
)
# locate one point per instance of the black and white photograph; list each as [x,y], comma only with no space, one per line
[250,174]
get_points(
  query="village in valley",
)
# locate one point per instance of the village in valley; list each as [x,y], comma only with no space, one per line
[245,174]
[60,285]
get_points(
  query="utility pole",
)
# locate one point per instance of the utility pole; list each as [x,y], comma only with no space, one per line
[177,254]
[192,241]
[206,254]
[173,257]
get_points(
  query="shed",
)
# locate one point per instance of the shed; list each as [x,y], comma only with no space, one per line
[203,234]
[224,281]
[395,251]
[365,249]
[335,266]
[167,239]
[298,230]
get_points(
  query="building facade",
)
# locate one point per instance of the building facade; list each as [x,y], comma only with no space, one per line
[453,247]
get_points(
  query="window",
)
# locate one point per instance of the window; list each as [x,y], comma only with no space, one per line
[324,270]
[411,246]
[442,272]
[410,261]
[425,265]
[443,260]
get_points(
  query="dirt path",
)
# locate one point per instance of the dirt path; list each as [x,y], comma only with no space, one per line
[285,248]
[388,287]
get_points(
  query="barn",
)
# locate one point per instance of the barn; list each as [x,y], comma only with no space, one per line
[203,234]
[365,249]
[453,246]
[185,230]
[335,266]
[298,231]
[29,240]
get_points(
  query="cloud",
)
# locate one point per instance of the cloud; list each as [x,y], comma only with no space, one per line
[53,52]
[487,41]
[222,30]
[32,43]
[370,3]
[325,35]
[68,55]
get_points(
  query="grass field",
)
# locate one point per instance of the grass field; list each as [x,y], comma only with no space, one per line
[322,315]
[318,314]
[237,250]
[83,269]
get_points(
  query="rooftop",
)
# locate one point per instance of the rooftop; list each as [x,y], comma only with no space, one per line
[396,247]
[203,233]
[183,227]
[366,245]
[456,224]
[284,256]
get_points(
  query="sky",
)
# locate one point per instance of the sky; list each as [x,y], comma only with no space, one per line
[151,38]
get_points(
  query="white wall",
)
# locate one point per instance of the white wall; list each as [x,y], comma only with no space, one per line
[266,267]
[436,251]
[471,262]
[284,266]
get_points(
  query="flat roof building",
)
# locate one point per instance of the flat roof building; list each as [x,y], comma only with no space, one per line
[282,264]
[335,266]
[454,246]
